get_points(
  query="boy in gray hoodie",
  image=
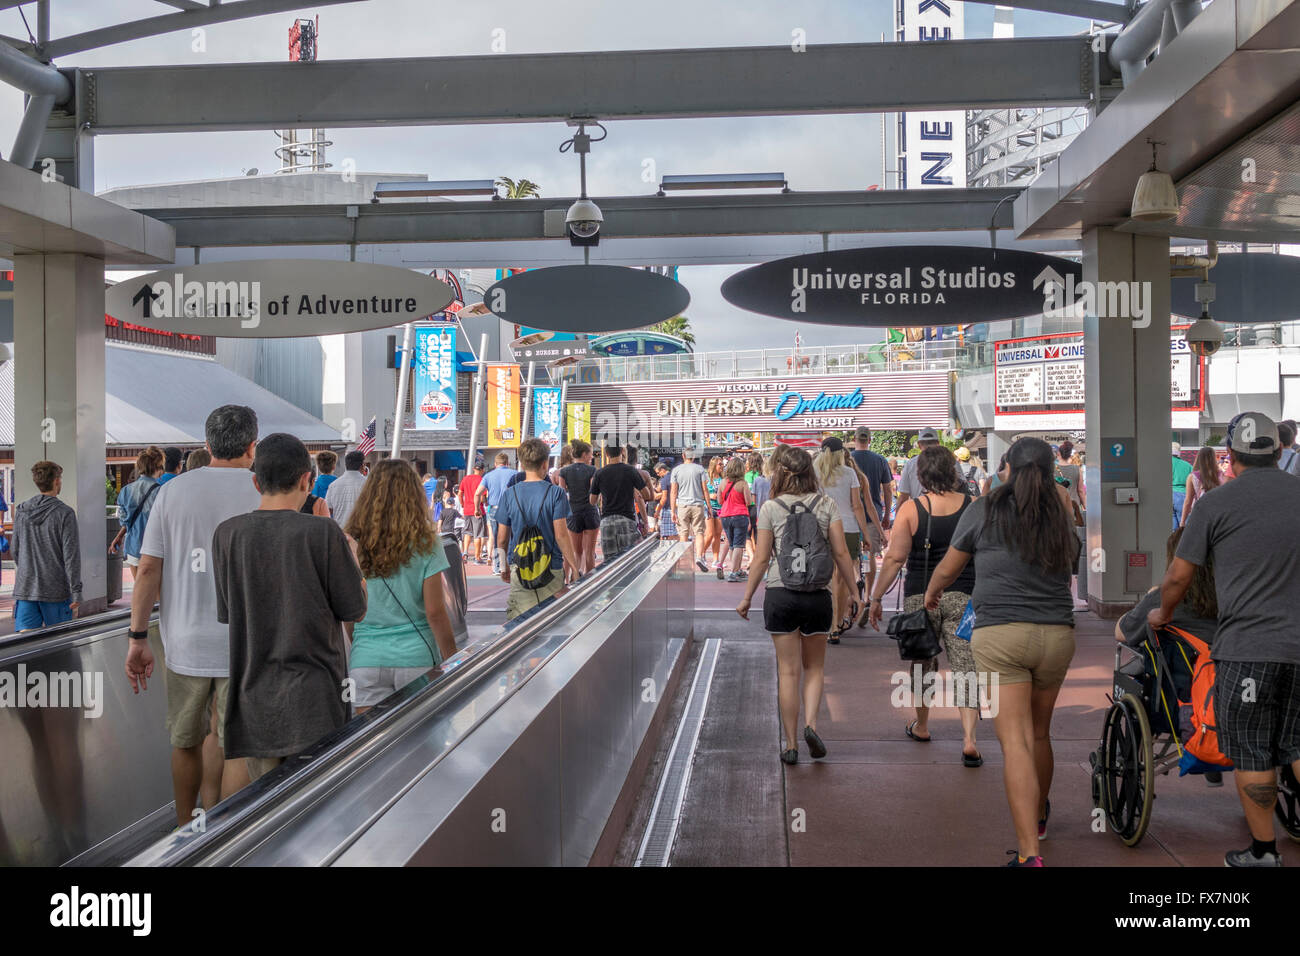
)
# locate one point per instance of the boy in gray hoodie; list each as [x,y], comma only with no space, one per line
[46,551]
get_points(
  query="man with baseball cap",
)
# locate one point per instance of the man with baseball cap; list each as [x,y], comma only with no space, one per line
[909,486]
[1248,530]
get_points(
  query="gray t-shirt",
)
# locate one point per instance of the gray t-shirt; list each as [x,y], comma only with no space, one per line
[1249,530]
[185,514]
[772,517]
[285,583]
[689,479]
[1007,589]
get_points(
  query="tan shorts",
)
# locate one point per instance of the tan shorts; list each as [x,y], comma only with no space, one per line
[188,718]
[875,540]
[261,766]
[690,520]
[521,599]
[1018,653]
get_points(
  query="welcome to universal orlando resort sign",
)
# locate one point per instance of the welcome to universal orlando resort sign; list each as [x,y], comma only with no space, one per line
[277,298]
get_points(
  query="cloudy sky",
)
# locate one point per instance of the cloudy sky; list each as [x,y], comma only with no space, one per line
[825,152]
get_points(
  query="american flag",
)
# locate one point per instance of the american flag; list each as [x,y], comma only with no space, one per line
[367,443]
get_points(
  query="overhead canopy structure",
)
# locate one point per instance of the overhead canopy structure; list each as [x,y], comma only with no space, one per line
[157,397]
[1223,101]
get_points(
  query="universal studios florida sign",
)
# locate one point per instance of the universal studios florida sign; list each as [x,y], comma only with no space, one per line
[277,298]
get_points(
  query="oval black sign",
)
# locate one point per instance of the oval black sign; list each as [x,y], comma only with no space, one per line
[589,299]
[901,285]
[1248,287]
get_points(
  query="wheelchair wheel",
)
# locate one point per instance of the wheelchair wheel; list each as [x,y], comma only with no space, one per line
[1127,771]
[1287,807]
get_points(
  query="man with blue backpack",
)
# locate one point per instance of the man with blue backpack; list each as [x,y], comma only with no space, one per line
[533,544]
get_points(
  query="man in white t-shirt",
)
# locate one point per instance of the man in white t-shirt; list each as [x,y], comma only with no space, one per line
[175,562]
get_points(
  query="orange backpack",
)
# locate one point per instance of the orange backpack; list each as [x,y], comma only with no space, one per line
[1203,744]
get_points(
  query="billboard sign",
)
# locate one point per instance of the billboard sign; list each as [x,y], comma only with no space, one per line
[935,142]
[435,378]
[1038,383]
[503,406]
[546,417]
[579,421]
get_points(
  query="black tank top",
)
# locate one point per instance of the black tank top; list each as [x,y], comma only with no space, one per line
[942,528]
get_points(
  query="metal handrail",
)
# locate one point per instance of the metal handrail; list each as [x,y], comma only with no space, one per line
[237,825]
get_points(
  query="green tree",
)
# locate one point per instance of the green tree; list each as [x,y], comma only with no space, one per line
[678,325]
[518,190]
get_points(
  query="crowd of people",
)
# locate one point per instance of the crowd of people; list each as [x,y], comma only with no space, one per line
[261,566]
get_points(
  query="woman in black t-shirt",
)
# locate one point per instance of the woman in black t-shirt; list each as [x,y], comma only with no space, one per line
[935,513]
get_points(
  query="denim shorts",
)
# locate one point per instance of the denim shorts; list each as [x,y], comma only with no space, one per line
[736,530]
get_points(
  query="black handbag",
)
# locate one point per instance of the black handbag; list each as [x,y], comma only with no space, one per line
[914,631]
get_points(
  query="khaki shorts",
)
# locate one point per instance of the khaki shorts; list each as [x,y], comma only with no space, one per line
[521,599]
[690,520]
[875,540]
[261,766]
[188,720]
[1020,652]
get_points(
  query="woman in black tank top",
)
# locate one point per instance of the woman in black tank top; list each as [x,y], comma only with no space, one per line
[934,515]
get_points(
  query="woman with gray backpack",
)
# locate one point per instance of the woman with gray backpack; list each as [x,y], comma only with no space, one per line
[799,545]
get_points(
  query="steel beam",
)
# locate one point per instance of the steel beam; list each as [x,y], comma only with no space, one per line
[647,84]
[625,216]
[171,22]
[1086,9]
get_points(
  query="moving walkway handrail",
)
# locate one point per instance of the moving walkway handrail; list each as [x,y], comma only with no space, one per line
[242,822]
[92,625]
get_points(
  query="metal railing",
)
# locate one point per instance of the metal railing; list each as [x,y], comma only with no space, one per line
[943,355]
[940,355]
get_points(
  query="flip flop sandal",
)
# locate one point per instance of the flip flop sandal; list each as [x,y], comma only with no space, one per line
[969,761]
[908,729]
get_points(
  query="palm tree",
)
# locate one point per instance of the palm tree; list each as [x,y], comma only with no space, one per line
[678,325]
[518,190]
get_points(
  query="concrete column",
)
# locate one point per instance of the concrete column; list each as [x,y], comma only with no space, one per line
[1127,383]
[59,395]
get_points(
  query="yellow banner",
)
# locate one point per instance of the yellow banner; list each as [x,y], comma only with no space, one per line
[503,406]
[578,425]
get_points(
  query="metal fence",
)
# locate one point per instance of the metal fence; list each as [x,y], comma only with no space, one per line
[763,363]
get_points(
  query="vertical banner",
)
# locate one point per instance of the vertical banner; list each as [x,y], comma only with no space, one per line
[546,416]
[579,424]
[503,406]
[935,143]
[435,378]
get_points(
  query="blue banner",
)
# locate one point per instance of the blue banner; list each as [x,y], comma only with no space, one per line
[435,378]
[546,417]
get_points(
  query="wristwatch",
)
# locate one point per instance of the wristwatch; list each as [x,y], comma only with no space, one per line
[138,635]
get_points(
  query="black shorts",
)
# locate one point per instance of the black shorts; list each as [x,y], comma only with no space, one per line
[808,612]
[584,519]
[753,520]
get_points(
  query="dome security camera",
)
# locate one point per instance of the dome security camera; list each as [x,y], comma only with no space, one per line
[1204,336]
[582,222]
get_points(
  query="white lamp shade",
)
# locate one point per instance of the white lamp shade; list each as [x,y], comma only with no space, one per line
[1155,199]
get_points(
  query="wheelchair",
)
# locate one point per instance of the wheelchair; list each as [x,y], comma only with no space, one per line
[1142,736]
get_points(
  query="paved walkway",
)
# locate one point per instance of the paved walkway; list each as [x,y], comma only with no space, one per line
[881,799]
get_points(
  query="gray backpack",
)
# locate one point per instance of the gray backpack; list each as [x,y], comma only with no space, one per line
[803,555]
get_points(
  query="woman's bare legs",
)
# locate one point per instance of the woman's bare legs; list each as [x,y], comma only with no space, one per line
[788,665]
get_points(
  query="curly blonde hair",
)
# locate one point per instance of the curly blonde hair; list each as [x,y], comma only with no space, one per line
[391,520]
